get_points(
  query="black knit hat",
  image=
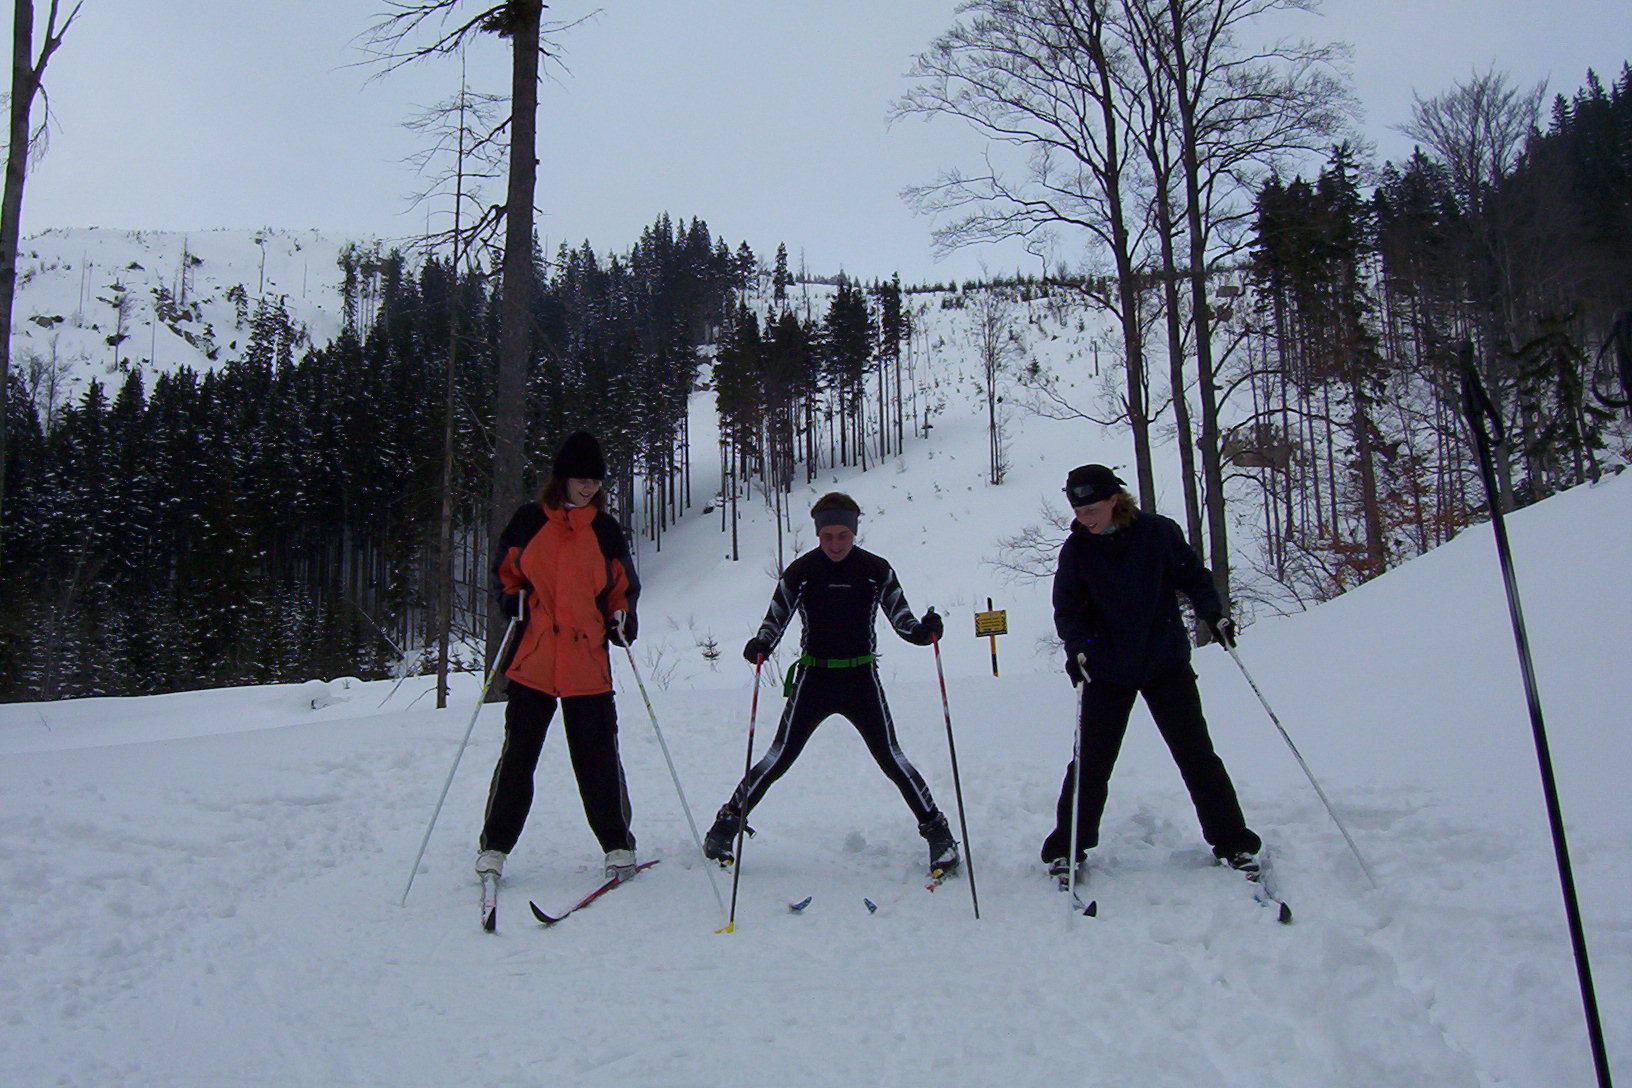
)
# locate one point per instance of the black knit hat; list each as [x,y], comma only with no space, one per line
[580,459]
[1088,484]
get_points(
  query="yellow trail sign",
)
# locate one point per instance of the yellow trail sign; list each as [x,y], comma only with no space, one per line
[991,623]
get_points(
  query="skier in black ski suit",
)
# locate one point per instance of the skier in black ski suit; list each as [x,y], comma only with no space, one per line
[837,589]
[1116,611]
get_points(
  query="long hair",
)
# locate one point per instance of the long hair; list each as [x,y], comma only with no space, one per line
[1125,510]
[554,494]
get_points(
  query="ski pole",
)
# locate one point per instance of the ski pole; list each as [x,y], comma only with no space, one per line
[1486,425]
[957,785]
[1620,338]
[1076,789]
[498,662]
[742,817]
[695,837]
[1364,868]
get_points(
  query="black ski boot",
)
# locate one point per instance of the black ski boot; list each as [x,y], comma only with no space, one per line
[720,842]
[943,848]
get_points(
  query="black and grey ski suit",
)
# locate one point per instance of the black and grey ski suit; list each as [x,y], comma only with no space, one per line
[835,673]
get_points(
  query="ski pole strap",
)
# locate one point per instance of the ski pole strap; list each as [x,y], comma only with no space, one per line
[1480,410]
[823,663]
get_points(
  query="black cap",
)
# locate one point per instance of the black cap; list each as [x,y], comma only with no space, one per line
[580,459]
[1088,484]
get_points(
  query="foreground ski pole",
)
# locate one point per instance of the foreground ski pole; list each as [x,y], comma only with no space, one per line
[1486,425]
[1620,338]
[695,837]
[1355,850]
[957,785]
[742,817]
[1072,903]
[498,663]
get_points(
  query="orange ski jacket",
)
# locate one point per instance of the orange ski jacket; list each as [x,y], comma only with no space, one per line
[575,569]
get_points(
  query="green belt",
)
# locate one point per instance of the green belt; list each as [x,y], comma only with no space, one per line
[823,663]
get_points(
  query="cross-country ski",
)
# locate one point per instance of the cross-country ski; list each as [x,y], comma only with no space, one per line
[612,882]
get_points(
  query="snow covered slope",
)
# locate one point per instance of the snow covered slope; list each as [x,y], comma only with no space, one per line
[202,889]
[168,298]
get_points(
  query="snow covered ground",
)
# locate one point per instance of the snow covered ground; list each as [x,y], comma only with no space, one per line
[202,889]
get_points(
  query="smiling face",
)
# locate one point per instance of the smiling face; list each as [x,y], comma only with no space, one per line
[837,540]
[1096,516]
[581,491]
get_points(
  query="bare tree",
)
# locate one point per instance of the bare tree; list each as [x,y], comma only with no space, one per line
[1045,78]
[463,152]
[462,155]
[27,81]
[992,315]
[1237,111]
[1477,130]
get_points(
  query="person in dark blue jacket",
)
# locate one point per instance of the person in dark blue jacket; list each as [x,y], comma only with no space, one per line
[1116,610]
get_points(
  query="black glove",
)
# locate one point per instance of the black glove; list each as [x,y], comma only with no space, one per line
[929,629]
[513,606]
[756,651]
[1073,669]
[1223,630]
[620,628]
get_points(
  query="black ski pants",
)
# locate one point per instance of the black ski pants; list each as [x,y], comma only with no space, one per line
[591,722]
[854,694]
[1175,704]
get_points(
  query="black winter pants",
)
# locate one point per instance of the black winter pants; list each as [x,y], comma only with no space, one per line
[1175,704]
[591,722]
[854,694]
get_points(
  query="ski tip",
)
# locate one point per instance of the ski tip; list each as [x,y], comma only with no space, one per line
[1285,915]
[799,907]
[538,912]
[1092,909]
[872,907]
[490,922]
[729,927]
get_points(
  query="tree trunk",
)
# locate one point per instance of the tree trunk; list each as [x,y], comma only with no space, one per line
[510,390]
[1218,545]
[26,74]
[1133,343]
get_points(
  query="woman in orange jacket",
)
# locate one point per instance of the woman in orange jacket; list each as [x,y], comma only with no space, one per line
[563,569]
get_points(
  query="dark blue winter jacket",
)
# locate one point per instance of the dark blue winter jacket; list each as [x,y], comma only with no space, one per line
[1114,598]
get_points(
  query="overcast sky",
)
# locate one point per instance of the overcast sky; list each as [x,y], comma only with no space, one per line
[766,118]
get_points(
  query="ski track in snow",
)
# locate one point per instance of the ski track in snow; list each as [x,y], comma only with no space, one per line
[222,911]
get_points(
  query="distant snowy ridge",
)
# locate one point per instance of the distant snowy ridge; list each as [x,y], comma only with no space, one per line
[94,303]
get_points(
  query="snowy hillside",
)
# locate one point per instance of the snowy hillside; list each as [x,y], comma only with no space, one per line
[169,299]
[202,889]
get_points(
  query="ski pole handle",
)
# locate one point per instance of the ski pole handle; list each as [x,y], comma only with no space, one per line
[1481,411]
